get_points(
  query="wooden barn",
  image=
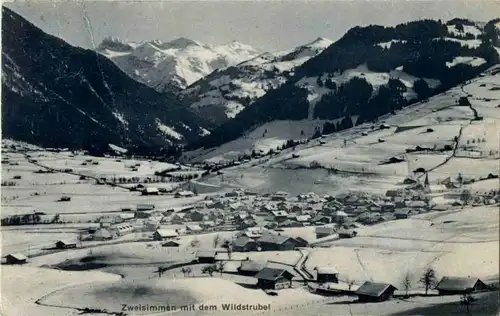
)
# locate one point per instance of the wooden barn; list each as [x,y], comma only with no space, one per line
[251,268]
[162,234]
[244,243]
[15,258]
[269,242]
[375,292]
[274,279]
[460,285]
[65,244]
[206,256]
[327,274]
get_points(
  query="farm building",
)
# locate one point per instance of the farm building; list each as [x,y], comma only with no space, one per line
[274,279]
[375,292]
[122,229]
[178,218]
[65,244]
[150,191]
[346,233]
[460,285]
[193,229]
[279,215]
[290,223]
[244,243]
[15,258]
[403,213]
[101,234]
[145,207]
[327,274]
[170,243]
[324,231]
[321,219]
[184,194]
[206,256]
[251,268]
[162,234]
[340,216]
[270,242]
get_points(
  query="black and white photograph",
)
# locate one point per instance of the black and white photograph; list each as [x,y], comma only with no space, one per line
[265,157]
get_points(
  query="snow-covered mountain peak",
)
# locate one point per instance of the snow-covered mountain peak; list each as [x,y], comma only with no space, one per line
[115,44]
[173,65]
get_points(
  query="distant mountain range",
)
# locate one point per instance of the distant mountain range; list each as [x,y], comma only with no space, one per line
[172,66]
[369,72]
[57,95]
[225,92]
[157,95]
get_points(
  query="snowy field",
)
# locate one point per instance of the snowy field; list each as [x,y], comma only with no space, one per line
[449,138]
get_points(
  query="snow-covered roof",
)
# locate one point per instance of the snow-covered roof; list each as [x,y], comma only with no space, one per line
[167,233]
[326,270]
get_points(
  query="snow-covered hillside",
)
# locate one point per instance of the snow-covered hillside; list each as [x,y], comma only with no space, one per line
[452,139]
[226,92]
[173,65]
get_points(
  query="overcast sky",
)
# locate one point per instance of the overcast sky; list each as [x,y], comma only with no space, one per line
[266,25]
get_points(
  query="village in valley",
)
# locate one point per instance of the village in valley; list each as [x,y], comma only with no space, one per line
[169,203]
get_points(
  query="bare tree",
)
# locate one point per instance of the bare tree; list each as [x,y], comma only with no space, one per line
[465,196]
[406,282]
[209,270]
[195,242]
[467,299]
[188,271]
[220,266]
[183,270]
[216,240]
[428,279]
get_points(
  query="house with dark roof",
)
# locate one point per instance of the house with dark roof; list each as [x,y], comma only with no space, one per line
[327,274]
[324,231]
[206,256]
[460,285]
[65,244]
[403,213]
[244,243]
[375,292]
[15,258]
[269,242]
[321,219]
[162,234]
[170,243]
[251,268]
[274,279]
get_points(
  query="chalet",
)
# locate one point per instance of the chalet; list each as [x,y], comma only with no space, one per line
[253,232]
[244,243]
[403,213]
[274,279]
[324,231]
[301,242]
[290,223]
[346,233]
[178,218]
[375,292]
[460,285]
[327,274]
[197,216]
[162,234]
[184,194]
[251,268]
[170,243]
[193,229]
[206,256]
[15,258]
[65,244]
[303,218]
[145,207]
[150,191]
[340,216]
[279,215]
[102,234]
[122,229]
[321,219]
[269,242]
